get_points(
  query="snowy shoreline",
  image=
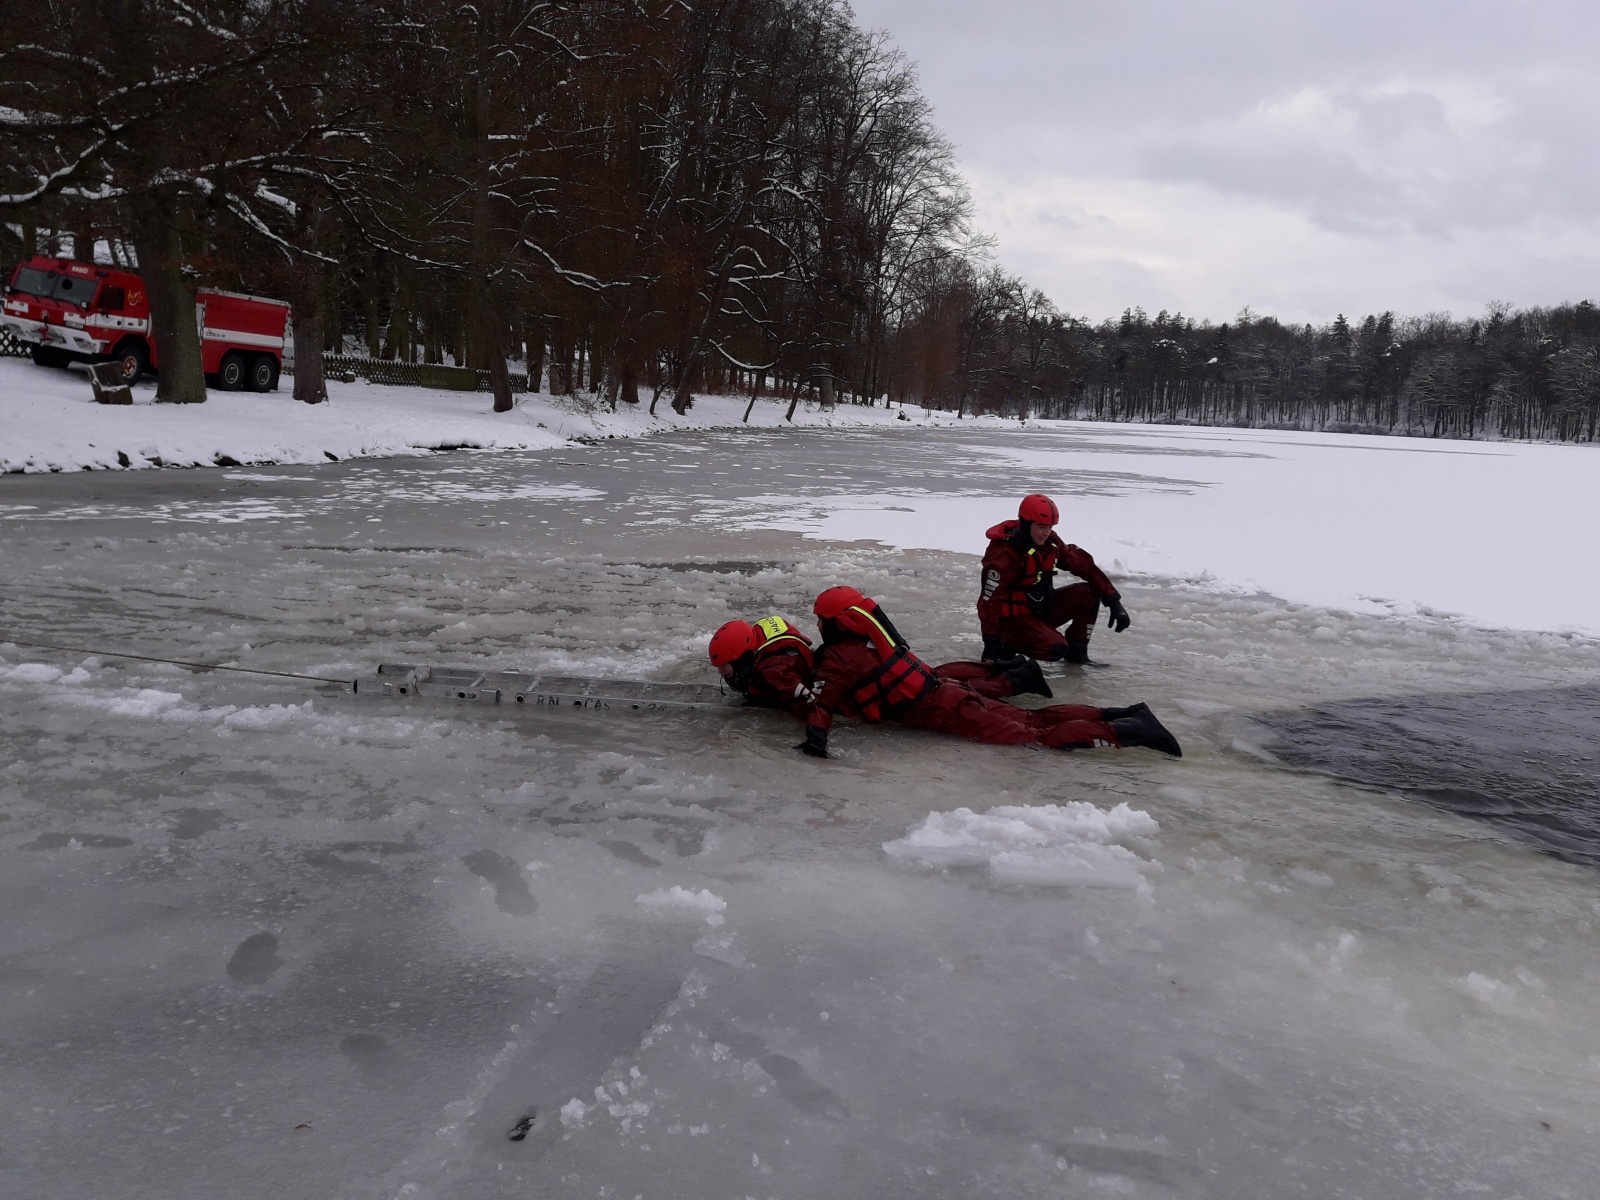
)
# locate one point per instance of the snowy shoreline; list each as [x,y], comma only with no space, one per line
[50,423]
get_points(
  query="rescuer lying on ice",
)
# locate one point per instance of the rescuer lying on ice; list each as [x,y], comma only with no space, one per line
[771,663]
[866,670]
[1020,610]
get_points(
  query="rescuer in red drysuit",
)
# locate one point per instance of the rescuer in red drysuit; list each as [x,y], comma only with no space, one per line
[1020,610]
[866,670]
[770,663]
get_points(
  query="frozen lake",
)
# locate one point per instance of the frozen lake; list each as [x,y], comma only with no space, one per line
[265,939]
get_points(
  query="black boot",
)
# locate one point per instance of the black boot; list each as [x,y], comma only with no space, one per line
[1077,652]
[1144,730]
[1118,714]
[1027,679]
[994,650]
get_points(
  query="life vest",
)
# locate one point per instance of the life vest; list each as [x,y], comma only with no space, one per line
[779,633]
[1033,588]
[897,683]
[781,638]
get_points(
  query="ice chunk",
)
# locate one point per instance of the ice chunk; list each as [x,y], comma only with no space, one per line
[1051,845]
[31,673]
[1492,993]
[679,901]
[147,702]
[270,716]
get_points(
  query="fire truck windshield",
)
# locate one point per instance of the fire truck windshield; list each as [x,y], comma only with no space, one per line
[53,285]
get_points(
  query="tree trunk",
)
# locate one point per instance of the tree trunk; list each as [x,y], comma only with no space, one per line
[397,335]
[310,387]
[489,336]
[83,239]
[759,377]
[371,300]
[333,325]
[825,388]
[173,325]
[561,364]
[683,393]
[500,380]
[536,358]
[432,347]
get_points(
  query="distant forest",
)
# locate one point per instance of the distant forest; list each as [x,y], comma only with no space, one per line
[641,200]
[1529,374]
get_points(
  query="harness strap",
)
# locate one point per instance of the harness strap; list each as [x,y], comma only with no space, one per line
[893,686]
[1030,591]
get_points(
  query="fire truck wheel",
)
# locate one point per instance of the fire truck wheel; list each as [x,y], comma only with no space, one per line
[264,373]
[134,360]
[231,373]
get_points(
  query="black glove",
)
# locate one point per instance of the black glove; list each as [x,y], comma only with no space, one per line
[816,743]
[1119,615]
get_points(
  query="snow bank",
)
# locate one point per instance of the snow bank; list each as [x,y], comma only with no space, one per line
[49,422]
[1050,845]
[679,901]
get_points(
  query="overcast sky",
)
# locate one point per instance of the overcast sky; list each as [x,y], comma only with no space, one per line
[1304,159]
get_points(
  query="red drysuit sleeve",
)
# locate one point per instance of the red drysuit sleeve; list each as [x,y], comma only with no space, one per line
[1081,563]
[784,683]
[839,668]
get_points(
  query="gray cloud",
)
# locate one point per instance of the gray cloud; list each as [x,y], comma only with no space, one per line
[1329,186]
[1442,154]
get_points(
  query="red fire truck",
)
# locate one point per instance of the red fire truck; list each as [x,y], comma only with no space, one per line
[70,312]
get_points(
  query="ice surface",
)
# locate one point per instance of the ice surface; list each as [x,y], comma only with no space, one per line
[1368,524]
[263,938]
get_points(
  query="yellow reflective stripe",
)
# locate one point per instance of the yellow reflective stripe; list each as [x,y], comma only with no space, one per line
[875,621]
[773,626]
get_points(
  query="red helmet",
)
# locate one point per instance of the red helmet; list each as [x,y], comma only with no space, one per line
[732,641]
[1041,510]
[837,600]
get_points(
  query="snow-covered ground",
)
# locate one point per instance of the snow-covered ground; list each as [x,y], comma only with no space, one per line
[269,939]
[49,422]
